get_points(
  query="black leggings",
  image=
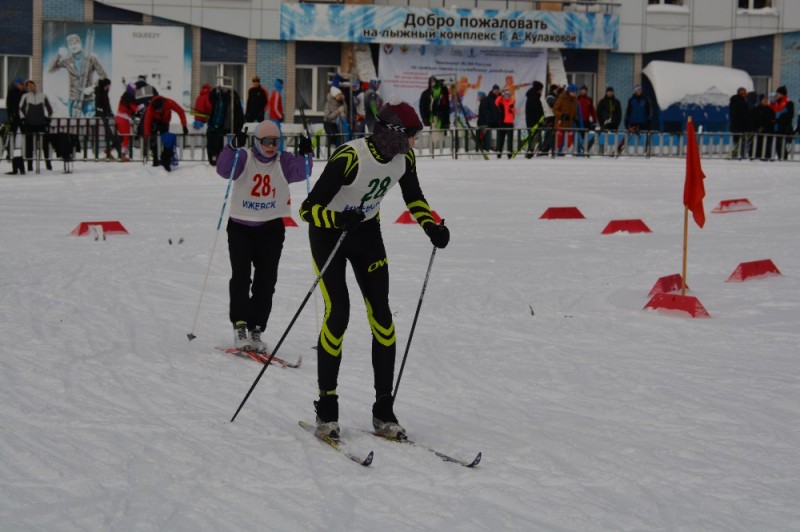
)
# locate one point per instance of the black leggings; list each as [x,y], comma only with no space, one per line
[257,247]
[363,248]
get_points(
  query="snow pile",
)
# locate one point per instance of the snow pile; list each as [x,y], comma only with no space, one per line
[686,84]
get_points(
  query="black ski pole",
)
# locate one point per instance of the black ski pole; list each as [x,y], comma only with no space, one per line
[414,323]
[291,323]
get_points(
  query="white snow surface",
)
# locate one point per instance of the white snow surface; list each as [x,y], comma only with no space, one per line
[695,84]
[531,346]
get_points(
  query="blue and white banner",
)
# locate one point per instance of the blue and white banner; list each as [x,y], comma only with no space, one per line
[464,27]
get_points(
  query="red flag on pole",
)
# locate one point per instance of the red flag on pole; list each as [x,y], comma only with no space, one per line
[693,190]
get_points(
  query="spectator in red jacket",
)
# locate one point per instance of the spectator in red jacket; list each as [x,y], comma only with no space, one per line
[202,106]
[505,102]
[157,118]
[276,102]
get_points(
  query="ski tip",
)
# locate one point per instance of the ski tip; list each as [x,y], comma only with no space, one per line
[191,337]
[368,460]
[299,362]
[477,460]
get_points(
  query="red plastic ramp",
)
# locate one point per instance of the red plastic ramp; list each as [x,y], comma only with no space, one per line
[626,226]
[678,305]
[561,213]
[756,268]
[734,205]
[109,228]
[666,284]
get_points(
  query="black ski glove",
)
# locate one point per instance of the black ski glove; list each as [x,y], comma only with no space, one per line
[239,140]
[185,130]
[304,146]
[349,219]
[439,235]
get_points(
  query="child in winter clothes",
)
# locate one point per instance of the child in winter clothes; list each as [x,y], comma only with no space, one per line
[259,202]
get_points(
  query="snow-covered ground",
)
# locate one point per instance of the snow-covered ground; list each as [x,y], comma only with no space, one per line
[531,347]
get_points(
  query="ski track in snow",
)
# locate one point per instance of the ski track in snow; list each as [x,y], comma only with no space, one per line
[531,346]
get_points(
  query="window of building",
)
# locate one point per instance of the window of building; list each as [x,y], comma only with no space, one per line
[761,84]
[665,2]
[11,68]
[224,74]
[311,87]
[754,4]
[583,78]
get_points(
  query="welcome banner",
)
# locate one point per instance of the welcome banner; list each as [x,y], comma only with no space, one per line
[405,71]
[470,27]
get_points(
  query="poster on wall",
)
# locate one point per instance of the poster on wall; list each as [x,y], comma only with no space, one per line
[76,55]
[406,70]
[155,52]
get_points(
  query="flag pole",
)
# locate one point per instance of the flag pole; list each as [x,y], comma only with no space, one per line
[685,248]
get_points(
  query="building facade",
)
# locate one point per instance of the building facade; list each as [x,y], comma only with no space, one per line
[232,40]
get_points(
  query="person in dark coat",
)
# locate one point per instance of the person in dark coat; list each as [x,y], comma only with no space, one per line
[609,112]
[14,94]
[219,120]
[762,119]
[104,111]
[488,117]
[534,113]
[434,105]
[639,113]
[638,117]
[257,100]
[739,113]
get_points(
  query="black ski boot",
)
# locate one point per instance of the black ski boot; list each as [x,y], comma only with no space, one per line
[327,409]
[384,421]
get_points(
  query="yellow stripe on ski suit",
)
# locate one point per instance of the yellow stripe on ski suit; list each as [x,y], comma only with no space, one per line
[330,343]
[421,212]
[384,335]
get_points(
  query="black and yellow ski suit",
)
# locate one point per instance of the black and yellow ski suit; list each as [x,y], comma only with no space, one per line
[357,176]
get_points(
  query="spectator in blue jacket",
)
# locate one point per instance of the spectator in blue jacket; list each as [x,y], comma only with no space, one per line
[639,113]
